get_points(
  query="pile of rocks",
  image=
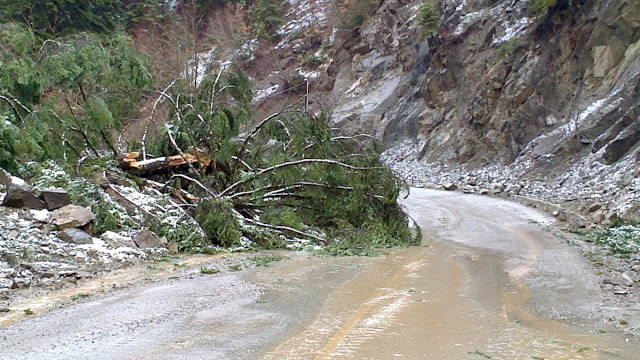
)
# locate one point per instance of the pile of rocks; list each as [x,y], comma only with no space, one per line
[46,242]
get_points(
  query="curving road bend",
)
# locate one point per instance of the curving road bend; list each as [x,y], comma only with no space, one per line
[491,279]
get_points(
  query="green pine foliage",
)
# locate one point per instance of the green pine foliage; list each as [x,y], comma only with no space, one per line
[346,197]
[52,18]
[429,17]
[65,97]
[266,17]
[541,7]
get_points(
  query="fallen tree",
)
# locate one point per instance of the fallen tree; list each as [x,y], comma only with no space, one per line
[288,178]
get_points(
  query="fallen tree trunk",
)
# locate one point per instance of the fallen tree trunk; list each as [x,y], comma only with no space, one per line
[162,165]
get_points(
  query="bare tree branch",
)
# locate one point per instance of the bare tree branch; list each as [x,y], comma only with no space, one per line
[150,120]
[295,163]
[202,186]
[283,229]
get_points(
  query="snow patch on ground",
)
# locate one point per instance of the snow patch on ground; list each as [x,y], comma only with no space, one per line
[585,181]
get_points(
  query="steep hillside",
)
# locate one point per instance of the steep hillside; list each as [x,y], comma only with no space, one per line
[541,104]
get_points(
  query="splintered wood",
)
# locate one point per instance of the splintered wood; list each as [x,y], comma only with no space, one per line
[166,164]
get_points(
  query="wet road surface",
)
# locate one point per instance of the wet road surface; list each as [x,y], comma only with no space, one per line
[489,280]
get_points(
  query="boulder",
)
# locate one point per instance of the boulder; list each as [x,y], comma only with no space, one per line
[17,189]
[563,215]
[578,224]
[449,186]
[70,216]
[594,207]
[75,236]
[146,239]
[10,259]
[597,217]
[5,177]
[609,218]
[55,198]
[33,202]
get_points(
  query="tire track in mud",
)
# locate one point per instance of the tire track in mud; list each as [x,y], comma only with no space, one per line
[336,333]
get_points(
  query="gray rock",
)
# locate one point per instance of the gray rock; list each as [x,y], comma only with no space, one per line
[609,218]
[16,191]
[146,239]
[563,216]
[597,217]
[68,273]
[10,259]
[339,37]
[578,224]
[594,207]
[70,216]
[75,236]
[55,198]
[6,283]
[33,202]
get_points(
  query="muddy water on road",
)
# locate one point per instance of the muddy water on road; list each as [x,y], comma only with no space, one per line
[489,280]
[509,294]
[440,302]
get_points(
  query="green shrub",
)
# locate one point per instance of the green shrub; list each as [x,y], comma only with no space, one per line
[355,22]
[541,7]
[283,216]
[265,16]
[507,48]
[219,222]
[311,61]
[264,261]
[621,237]
[8,135]
[429,17]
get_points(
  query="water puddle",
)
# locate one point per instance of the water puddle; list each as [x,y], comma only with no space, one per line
[444,301]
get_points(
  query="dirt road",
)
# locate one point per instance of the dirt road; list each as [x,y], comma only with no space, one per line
[490,280]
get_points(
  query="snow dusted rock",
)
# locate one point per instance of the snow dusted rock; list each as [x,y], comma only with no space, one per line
[6,283]
[41,216]
[17,189]
[147,239]
[55,198]
[72,216]
[75,236]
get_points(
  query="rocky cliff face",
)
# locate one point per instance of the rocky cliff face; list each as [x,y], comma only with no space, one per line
[553,98]
[495,79]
